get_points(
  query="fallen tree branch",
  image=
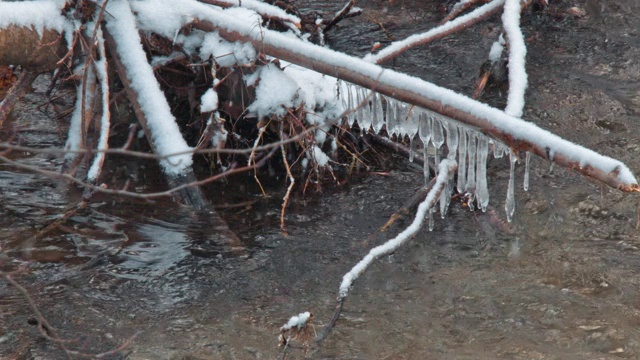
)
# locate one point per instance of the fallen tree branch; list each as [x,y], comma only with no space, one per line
[446,170]
[398,47]
[150,106]
[514,132]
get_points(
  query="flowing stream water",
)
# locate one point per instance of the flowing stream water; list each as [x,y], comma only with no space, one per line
[560,282]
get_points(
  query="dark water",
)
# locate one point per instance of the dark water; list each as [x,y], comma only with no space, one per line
[561,284]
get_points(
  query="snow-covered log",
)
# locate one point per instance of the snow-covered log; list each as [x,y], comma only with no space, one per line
[151,108]
[33,34]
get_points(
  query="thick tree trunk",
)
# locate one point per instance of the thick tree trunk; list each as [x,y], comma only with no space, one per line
[24,46]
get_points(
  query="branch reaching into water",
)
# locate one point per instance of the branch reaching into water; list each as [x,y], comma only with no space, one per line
[446,169]
[448,28]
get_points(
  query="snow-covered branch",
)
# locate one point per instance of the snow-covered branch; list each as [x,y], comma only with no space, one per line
[164,131]
[266,10]
[446,170]
[516,133]
[462,22]
[517,57]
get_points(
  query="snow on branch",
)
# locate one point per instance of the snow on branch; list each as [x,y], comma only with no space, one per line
[266,10]
[445,172]
[517,57]
[397,47]
[516,133]
[165,133]
[105,121]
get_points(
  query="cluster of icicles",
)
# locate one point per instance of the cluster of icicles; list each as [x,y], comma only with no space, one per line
[464,144]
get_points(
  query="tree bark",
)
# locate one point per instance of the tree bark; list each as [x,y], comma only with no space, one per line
[24,46]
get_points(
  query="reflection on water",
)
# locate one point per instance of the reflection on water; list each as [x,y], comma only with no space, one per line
[459,292]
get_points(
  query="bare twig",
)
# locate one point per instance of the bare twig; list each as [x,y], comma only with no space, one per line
[147,196]
[340,15]
[285,200]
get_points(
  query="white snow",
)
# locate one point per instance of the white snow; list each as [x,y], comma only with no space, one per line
[264,9]
[39,15]
[209,101]
[297,321]
[517,58]
[165,133]
[74,137]
[319,156]
[105,121]
[395,46]
[275,92]
[317,92]
[225,53]
[496,50]
[444,168]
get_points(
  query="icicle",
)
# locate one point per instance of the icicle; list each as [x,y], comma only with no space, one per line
[411,126]
[432,223]
[425,135]
[462,160]
[445,199]
[391,117]
[452,140]
[437,136]
[378,113]
[527,160]
[471,173]
[350,103]
[402,110]
[510,204]
[482,190]
[364,120]
[498,150]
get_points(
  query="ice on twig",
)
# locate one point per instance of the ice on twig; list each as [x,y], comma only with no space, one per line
[446,169]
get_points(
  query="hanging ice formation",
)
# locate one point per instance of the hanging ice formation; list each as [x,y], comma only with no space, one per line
[469,147]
